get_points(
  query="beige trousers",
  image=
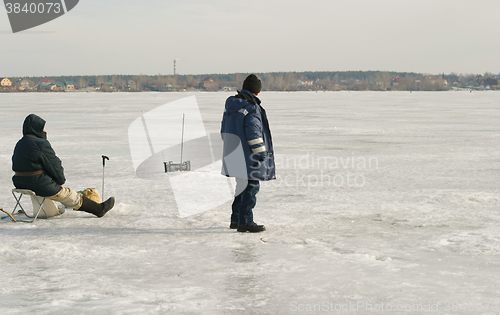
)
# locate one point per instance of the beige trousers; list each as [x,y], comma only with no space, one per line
[69,198]
[66,196]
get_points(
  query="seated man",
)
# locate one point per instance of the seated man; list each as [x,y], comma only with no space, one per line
[37,168]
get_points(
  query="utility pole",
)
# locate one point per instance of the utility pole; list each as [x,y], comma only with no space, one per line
[175,65]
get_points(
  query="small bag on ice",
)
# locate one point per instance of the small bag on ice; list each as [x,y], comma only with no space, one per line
[92,194]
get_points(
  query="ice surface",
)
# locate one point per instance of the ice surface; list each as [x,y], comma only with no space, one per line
[381,197]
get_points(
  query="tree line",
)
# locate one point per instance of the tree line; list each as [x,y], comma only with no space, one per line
[281,81]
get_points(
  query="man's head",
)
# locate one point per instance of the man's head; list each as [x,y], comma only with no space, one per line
[252,84]
[34,125]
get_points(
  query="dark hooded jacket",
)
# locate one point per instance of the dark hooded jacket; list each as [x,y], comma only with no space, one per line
[245,128]
[34,153]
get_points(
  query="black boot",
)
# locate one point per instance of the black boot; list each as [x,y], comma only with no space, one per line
[253,228]
[97,209]
[233,225]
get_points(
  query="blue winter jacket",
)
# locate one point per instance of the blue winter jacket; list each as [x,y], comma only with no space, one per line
[248,147]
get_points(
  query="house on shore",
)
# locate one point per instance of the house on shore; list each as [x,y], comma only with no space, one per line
[25,84]
[58,86]
[5,82]
[70,85]
[49,85]
[305,82]
[209,84]
[44,82]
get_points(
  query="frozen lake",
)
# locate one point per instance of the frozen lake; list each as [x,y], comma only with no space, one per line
[384,201]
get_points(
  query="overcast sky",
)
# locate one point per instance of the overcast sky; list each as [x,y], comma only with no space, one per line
[227,36]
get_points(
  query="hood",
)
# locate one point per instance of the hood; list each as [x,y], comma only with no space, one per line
[237,102]
[33,125]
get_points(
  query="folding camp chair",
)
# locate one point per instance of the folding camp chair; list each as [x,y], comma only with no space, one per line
[36,212]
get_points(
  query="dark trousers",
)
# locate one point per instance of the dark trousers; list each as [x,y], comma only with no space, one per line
[245,202]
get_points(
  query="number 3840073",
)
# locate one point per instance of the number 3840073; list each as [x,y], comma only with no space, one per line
[34,8]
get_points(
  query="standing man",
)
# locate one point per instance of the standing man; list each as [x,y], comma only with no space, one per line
[248,151]
[37,168]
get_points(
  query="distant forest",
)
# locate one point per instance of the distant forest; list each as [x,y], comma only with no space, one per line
[275,81]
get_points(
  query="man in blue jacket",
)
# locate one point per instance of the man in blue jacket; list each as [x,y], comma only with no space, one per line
[248,151]
[37,168]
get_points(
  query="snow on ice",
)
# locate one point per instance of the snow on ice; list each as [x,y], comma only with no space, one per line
[385,202]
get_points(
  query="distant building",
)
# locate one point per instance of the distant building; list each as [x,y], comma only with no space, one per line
[305,82]
[131,84]
[397,81]
[5,82]
[69,85]
[25,83]
[44,84]
[59,86]
[209,84]
[107,85]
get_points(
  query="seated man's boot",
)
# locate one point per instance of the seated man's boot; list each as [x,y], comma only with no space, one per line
[97,209]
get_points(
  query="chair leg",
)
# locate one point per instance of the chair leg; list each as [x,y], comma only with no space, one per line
[18,203]
[39,208]
[35,212]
